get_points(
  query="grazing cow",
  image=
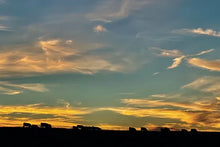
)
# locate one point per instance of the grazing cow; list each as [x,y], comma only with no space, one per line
[26,125]
[132,130]
[165,130]
[86,128]
[45,125]
[194,131]
[184,131]
[34,126]
[143,129]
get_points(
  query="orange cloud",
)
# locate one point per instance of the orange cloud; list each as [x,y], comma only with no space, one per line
[206,64]
[62,116]
[53,56]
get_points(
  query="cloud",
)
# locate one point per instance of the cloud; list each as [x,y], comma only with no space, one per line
[113,9]
[156,73]
[179,57]
[176,62]
[200,31]
[213,65]
[4,17]
[161,103]
[57,116]
[99,28]
[206,84]
[63,56]
[197,113]
[165,95]
[205,52]
[9,91]
[53,56]
[13,89]
[4,28]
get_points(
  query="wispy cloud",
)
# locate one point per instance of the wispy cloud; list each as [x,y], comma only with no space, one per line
[179,57]
[158,103]
[4,28]
[57,116]
[213,65]
[114,9]
[62,56]
[13,89]
[99,28]
[165,95]
[197,113]
[206,84]
[176,62]
[200,31]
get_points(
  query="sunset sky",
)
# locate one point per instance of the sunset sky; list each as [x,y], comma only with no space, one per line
[110,63]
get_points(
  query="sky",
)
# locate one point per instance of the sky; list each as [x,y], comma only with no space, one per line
[110,63]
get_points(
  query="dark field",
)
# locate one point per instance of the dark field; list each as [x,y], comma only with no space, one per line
[69,137]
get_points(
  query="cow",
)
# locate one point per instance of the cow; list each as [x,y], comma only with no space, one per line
[132,130]
[26,125]
[45,125]
[143,129]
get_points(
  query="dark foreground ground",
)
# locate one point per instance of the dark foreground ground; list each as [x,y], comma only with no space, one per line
[70,138]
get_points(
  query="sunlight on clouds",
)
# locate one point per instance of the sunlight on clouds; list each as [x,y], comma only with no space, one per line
[4,28]
[179,57]
[62,116]
[200,31]
[53,56]
[206,84]
[99,28]
[158,103]
[176,62]
[213,65]
[114,9]
[13,89]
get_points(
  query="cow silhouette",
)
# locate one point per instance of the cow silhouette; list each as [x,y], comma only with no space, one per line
[26,125]
[45,125]
[86,128]
[132,130]
[143,129]
[194,131]
[165,130]
[34,126]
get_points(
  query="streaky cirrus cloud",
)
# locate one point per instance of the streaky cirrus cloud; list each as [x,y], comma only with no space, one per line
[14,89]
[99,28]
[176,62]
[111,10]
[4,28]
[15,115]
[199,31]
[64,56]
[213,65]
[206,84]
[197,106]
[179,57]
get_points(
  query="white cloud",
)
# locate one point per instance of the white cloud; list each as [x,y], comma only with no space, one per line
[156,73]
[200,31]
[99,28]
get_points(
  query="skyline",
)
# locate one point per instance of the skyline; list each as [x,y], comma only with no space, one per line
[110,63]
